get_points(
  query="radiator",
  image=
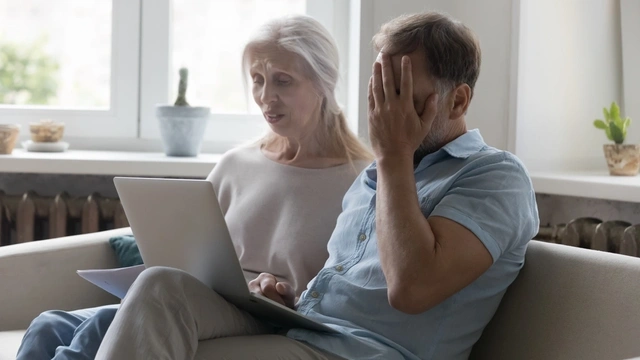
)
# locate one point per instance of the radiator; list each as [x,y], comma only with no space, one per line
[30,217]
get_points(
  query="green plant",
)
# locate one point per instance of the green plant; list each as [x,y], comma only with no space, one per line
[613,125]
[182,88]
[27,74]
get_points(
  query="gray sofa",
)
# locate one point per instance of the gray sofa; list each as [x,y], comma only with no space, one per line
[567,303]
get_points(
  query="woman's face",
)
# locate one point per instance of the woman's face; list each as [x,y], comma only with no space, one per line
[288,99]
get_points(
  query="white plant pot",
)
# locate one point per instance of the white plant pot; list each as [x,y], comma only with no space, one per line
[182,128]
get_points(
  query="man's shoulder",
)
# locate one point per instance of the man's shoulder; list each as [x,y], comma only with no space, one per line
[493,160]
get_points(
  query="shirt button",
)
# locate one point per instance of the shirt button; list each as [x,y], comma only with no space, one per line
[339,268]
[362,237]
[315,294]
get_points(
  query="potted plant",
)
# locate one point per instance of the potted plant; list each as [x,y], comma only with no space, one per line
[182,126]
[622,159]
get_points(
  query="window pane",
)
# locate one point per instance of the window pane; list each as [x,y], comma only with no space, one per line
[208,38]
[55,53]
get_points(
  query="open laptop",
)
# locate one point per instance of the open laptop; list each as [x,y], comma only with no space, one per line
[178,223]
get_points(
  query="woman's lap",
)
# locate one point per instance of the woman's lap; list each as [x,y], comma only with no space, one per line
[57,329]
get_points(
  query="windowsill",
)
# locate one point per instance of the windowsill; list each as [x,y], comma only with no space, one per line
[123,163]
[589,184]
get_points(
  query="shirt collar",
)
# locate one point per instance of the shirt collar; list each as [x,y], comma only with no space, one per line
[465,145]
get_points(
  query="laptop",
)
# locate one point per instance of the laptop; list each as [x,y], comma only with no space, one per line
[178,223]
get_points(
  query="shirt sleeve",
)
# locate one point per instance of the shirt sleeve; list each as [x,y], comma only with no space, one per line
[496,202]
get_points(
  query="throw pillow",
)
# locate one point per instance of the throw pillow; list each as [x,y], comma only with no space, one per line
[126,249]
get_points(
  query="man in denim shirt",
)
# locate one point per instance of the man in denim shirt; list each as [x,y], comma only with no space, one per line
[431,234]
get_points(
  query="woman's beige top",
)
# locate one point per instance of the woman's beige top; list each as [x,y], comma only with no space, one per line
[280,217]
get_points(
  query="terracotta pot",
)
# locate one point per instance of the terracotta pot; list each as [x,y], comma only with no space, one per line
[623,160]
[8,138]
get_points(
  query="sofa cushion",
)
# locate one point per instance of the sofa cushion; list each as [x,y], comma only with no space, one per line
[567,303]
[126,249]
[9,343]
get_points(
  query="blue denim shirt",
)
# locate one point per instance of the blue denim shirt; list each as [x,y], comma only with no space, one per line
[482,188]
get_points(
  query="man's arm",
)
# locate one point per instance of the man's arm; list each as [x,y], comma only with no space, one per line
[424,261]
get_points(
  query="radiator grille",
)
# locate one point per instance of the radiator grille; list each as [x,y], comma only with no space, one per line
[30,216]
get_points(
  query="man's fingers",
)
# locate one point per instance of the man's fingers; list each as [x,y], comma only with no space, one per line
[388,82]
[372,102]
[378,91]
[430,111]
[406,81]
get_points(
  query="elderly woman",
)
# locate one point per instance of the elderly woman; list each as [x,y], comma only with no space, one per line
[281,196]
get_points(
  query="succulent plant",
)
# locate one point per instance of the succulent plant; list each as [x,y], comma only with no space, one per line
[182,88]
[613,125]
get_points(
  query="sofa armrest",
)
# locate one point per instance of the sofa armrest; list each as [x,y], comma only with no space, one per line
[41,275]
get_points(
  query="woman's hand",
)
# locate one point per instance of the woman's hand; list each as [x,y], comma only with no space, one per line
[267,285]
[395,128]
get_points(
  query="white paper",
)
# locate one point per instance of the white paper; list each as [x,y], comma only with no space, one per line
[114,281]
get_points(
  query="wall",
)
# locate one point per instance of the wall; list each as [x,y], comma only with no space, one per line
[569,69]
[630,18]
[490,20]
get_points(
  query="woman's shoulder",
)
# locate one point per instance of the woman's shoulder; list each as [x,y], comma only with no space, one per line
[242,154]
[235,160]
[344,173]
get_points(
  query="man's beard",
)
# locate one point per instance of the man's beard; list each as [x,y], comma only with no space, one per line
[434,139]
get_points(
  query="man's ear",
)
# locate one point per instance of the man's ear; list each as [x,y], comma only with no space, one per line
[461,97]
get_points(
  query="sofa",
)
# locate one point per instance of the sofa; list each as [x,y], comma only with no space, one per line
[567,303]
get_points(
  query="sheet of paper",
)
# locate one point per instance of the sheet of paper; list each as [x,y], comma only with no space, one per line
[114,281]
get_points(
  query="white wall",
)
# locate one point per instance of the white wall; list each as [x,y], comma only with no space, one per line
[569,69]
[491,21]
[630,18]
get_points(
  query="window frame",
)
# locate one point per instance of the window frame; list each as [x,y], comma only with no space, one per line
[140,65]
[120,120]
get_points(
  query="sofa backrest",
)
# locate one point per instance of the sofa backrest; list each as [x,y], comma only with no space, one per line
[567,303]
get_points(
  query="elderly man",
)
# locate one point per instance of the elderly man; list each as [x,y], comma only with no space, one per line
[430,237]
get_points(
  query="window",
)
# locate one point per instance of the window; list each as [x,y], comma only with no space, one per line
[101,66]
[207,37]
[74,61]
[47,71]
